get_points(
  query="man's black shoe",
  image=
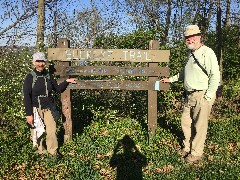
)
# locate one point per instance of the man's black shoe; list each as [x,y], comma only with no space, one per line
[59,155]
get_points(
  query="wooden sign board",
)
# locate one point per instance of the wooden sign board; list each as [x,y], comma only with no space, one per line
[117,85]
[110,70]
[134,55]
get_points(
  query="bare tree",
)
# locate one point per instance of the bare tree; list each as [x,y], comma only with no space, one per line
[197,12]
[16,16]
[203,14]
[150,15]
[85,24]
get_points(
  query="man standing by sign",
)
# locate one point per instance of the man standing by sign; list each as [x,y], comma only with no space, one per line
[39,106]
[201,78]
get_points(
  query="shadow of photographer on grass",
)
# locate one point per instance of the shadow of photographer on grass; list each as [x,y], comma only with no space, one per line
[128,160]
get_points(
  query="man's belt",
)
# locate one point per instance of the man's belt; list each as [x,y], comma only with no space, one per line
[193,91]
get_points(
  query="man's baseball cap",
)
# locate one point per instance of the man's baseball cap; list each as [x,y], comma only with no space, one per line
[192,30]
[39,56]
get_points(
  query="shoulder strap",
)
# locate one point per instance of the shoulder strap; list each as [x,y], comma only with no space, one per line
[45,78]
[34,75]
[195,59]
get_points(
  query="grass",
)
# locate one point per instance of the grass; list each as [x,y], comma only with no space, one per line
[116,149]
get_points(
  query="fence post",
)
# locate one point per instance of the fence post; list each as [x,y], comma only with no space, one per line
[66,96]
[152,95]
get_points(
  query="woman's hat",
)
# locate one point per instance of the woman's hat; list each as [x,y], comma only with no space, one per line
[39,56]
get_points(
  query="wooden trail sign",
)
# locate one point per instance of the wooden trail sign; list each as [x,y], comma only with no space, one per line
[75,62]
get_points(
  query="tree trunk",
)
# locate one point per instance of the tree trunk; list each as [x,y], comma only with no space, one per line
[219,46]
[40,25]
[55,25]
[227,20]
[210,11]
[168,21]
[94,24]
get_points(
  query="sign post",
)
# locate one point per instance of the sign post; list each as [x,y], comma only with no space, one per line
[152,96]
[65,96]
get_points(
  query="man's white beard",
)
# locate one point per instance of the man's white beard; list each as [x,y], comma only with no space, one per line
[193,45]
[190,46]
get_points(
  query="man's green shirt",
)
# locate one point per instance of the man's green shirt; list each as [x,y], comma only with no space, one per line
[193,76]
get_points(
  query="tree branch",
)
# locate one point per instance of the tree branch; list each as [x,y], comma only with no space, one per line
[23,17]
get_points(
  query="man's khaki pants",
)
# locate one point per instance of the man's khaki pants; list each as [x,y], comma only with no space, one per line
[194,122]
[51,136]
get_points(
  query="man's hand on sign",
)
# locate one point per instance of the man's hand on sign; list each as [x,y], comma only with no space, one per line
[165,80]
[72,80]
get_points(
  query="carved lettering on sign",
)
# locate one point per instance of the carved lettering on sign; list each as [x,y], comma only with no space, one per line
[117,84]
[134,55]
[112,70]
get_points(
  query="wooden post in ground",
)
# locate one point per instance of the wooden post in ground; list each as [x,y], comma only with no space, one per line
[152,95]
[65,96]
